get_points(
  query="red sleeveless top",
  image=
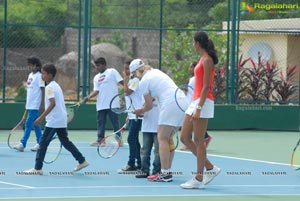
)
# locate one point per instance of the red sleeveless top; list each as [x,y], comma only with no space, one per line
[199,78]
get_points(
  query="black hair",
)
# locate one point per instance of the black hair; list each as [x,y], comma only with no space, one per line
[50,68]
[100,60]
[34,60]
[207,44]
[194,64]
[128,61]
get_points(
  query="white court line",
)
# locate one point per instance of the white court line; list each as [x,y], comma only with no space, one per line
[188,152]
[252,160]
[237,158]
[146,195]
[14,184]
[158,186]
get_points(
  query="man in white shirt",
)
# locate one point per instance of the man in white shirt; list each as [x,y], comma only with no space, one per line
[105,88]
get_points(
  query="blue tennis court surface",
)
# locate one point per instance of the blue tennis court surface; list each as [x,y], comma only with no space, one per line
[100,179]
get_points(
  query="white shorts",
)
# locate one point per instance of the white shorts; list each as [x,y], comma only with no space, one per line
[171,115]
[207,110]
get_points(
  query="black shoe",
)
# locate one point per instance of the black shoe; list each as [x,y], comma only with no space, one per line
[142,174]
[127,168]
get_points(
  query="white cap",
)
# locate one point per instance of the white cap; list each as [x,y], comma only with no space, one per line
[135,64]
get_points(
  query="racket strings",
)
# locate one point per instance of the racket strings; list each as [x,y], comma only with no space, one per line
[174,140]
[15,135]
[183,96]
[121,103]
[109,147]
[53,151]
[71,111]
[118,104]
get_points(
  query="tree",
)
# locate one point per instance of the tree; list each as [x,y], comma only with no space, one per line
[25,18]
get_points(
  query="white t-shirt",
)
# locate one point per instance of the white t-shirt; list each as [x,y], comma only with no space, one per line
[34,93]
[160,85]
[57,118]
[150,121]
[136,96]
[107,85]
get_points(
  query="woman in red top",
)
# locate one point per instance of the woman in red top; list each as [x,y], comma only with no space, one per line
[200,110]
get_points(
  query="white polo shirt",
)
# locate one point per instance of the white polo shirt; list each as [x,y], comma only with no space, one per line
[107,85]
[34,93]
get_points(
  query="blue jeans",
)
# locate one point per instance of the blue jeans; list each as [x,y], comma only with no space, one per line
[31,117]
[101,122]
[63,138]
[150,140]
[134,127]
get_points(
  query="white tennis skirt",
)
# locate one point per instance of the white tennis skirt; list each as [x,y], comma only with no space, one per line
[171,115]
[207,110]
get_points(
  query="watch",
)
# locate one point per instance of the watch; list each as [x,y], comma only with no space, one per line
[199,107]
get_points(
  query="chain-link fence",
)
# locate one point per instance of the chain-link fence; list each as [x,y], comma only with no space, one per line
[258,43]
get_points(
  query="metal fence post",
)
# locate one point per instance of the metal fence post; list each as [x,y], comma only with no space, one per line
[233,52]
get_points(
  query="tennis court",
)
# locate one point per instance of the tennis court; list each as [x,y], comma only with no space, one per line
[255,166]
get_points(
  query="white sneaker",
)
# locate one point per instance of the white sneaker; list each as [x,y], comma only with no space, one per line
[19,147]
[210,174]
[94,144]
[35,147]
[192,184]
[33,171]
[81,166]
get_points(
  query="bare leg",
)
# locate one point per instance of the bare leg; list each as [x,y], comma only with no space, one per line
[185,138]
[200,126]
[164,135]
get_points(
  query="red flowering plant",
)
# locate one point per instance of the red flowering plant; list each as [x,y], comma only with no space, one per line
[261,82]
[285,88]
[219,87]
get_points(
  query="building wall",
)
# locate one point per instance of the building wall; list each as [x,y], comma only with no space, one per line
[277,42]
[139,43]
[293,58]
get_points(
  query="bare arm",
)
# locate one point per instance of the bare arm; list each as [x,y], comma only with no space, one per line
[42,104]
[89,97]
[148,105]
[125,82]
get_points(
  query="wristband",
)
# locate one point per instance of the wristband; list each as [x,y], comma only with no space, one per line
[198,107]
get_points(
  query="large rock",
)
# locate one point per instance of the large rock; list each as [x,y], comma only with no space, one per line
[114,56]
[67,65]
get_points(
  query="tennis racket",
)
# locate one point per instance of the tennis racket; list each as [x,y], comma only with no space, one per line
[295,158]
[183,96]
[55,147]
[15,135]
[53,150]
[121,103]
[71,109]
[174,140]
[110,144]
